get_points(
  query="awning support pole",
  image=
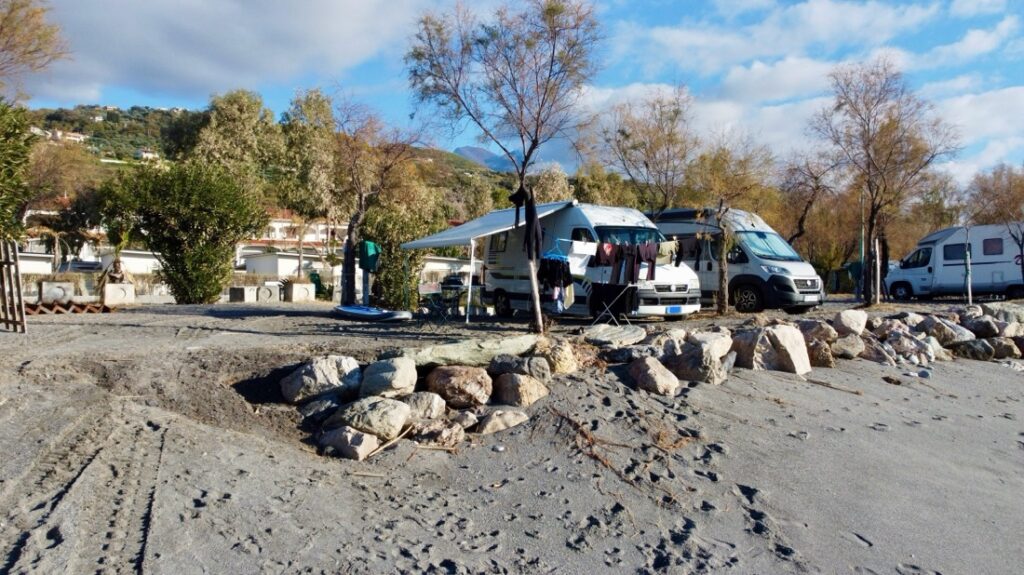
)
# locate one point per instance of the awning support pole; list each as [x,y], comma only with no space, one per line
[472,266]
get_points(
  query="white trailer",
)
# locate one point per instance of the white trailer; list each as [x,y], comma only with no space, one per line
[674,292]
[938,265]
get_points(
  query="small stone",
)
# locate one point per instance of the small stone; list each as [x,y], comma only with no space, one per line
[498,448]
[500,420]
[349,443]
[461,386]
[651,376]
[518,390]
[924,374]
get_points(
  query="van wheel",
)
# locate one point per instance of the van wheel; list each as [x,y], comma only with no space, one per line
[901,291]
[747,299]
[1015,292]
[502,305]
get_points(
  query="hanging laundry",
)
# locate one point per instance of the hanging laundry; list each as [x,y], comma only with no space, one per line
[648,254]
[534,235]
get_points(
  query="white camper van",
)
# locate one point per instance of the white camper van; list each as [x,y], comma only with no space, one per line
[764,270]
[938,266]
[574,230]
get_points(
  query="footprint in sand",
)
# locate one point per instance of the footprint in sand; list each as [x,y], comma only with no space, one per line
[910,569]
[879,427]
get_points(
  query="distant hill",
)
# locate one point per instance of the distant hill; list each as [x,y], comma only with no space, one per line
[486,158]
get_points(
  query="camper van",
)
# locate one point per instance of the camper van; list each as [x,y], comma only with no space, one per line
[575,230]
[938,265]
[764,270]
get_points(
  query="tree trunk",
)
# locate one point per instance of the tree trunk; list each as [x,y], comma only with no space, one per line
[302,234]
[348,265]
[723,273]
[538,314]
[868,269]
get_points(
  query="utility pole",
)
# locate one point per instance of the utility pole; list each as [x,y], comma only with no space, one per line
[967,263]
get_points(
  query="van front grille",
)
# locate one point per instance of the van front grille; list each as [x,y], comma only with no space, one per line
[806,284]
[678,288]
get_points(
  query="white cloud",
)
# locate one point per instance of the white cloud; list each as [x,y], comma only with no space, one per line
[993,114]
[976,42]
[951,87]
[192,48]
[969,8]
[791,77]
[994,152]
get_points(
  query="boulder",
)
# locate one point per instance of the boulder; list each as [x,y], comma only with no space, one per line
[978,349]
[910,319]
[337,374]
[518,390]
[317,410]
[533,366]
[473,352]
[969,312]
[944,330]
[1004,311]
[888,327]
[608,335]
[630,353]
[1003,348]
[848,347]
[816,329]
[940,353]
[820,354]
[910,348]
[1011,329]
[714,344]
[696,363]
[389,378]
[753,349]
[660,338]
[437,432]
[877,351]
[460,386]
[379,416]
[790,349]
[349,443]
[850,322]
[424,405]
[651,376]
[562,357]
[466,419]
[500,420]
[982,327]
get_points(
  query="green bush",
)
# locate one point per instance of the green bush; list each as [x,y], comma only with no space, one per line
[192,216]
[15,144]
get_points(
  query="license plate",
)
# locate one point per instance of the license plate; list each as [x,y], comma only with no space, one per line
[810,298]
[674,309]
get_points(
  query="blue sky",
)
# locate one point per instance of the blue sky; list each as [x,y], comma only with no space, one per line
[756,67]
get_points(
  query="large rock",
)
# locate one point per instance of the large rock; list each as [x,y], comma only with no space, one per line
[850,322]
[349,443]
[820,354]
[776,347]
[651,376]
[815,329]
[424,405]
[940,353]
[1003,348]
[888,327]
[978,349]
[533,366]
[473,352]
[877,351]
[910,348]
[1004,311]
[466,419]
[518,390]
[317,410]
[389,378]
[968,312]
[438,432]
[696,363]
[944,330]
[982,327]
[460,386]
[714,344]
[379,416]
[848,347]
[1011,329]
[909,318]
[561,355]
[335,374]
[629,354]
[658,339]
[607,335]
[500,420]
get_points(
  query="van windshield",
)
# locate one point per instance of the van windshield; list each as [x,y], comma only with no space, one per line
[628,235]
[769,246]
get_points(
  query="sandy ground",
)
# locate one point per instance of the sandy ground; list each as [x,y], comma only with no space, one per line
[153,440]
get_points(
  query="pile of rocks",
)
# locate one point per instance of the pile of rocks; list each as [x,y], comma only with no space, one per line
[432,395]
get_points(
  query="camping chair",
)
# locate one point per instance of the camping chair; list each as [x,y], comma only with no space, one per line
[615,301]
[432,302]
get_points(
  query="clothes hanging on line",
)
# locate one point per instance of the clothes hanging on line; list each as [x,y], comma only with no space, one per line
[554,273]
[534,236]
[648,253]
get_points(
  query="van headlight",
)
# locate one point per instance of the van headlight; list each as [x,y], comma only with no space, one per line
[775,270]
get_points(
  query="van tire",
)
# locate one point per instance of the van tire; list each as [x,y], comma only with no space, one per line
[747,299]
[1015,292]
[502,304]
[901,291]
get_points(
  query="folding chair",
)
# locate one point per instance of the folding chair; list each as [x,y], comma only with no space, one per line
[615,301]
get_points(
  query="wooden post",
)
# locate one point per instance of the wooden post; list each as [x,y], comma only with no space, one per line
[12,304]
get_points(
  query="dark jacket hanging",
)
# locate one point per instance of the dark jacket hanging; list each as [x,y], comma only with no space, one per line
[534,234]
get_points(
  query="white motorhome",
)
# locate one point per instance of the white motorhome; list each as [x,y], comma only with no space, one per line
[573,230]
[938,265]
[764,270]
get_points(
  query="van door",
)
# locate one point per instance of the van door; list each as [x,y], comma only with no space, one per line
[919,272]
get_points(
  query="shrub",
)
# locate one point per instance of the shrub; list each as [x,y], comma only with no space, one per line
[14,152]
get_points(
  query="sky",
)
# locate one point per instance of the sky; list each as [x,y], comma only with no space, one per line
[758,68]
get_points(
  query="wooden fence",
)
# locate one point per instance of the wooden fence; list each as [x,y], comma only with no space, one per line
[12,304]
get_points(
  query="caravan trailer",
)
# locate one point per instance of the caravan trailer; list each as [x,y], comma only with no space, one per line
[764,270]
[938,265]
[673,293]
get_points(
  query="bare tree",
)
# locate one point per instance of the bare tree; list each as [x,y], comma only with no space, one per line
[804,181]
[652,143]
[886,136]
[517,77]
[28,43]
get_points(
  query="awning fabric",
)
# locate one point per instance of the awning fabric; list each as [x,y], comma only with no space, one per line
[490,224]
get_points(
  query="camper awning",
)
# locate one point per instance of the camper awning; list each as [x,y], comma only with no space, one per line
[490,224]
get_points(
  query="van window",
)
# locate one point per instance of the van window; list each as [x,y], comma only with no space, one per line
[582,235]
[918,259]
[628,234]
[992,247]
[498,242]
[954,252]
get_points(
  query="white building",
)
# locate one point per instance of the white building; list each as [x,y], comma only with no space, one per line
[133,261]
[35,263]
